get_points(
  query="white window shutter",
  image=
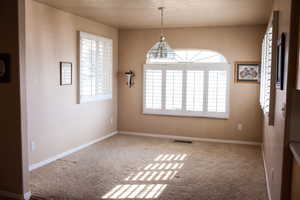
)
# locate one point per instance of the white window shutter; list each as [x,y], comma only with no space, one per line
[95,68]
[217,91]
[86,82]
[187,89]
[266,70]
[195,90]
[153,89]
[174,89]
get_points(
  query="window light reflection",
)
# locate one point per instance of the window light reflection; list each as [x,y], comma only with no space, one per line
[163,169]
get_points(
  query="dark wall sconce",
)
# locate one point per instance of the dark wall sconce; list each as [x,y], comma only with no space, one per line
[130,74]
[4,68]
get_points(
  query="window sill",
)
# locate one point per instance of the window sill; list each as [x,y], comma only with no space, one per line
[222,116]
[95,99]
[295,148]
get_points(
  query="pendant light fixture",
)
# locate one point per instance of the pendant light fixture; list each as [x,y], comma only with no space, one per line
[161,50]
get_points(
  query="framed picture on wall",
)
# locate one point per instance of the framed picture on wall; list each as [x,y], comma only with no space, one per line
[280,62]
[247,72]
[298,64]
[66,73]
[4,68]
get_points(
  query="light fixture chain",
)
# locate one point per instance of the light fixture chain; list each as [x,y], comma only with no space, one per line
[161,20]
[161,50]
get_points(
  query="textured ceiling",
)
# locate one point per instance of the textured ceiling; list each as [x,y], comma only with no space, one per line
[178,13]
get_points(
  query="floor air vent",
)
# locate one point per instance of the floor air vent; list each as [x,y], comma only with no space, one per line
[37,197]
[183,141]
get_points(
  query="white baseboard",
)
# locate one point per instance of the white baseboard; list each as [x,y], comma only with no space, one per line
[190,138]
[26,196]
[266,173]
[66,153]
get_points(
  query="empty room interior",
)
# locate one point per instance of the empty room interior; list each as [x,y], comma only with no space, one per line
[150,99]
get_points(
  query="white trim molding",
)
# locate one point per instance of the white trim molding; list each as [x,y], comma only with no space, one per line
[190,138]
[11,195]
[103,53]
[266,174]
[27,196]
[66,153]
[157,75]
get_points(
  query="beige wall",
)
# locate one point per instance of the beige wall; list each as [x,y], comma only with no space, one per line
[295,111]
[296,181]
[13,167]
[56,122]
[295,117]
[274,136]
[235,43]
[298,64]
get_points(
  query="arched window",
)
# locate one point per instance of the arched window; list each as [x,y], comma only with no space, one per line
[195,83]
[192,56]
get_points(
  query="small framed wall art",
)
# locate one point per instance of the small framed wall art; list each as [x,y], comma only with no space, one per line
[5,68]
[247,72]
[280,62]
[66,73]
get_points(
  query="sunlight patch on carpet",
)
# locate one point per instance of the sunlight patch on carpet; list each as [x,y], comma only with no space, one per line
[162,170]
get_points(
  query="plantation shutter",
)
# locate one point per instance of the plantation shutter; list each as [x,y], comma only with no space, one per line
[153,89]
[268,69]
[187,89]
[195,90]
[95,68]
[217,91]
[173,89]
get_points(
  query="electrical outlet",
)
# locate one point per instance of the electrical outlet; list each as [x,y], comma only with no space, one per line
[33,146]
[111,121]
[240,127]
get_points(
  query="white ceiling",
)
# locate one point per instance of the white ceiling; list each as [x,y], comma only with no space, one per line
[179,13]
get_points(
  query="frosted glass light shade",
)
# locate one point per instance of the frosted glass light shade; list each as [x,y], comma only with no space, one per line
[161,50]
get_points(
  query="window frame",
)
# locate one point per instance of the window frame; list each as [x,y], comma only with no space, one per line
[269,63]
[206,67]
[100,97]
[178,57]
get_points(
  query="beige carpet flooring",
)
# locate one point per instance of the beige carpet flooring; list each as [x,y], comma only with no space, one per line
[132,167]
